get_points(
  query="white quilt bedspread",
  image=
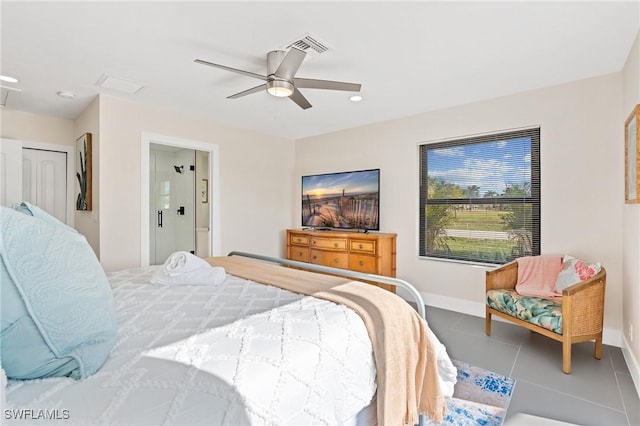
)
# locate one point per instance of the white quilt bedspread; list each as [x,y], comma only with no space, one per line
[234,354]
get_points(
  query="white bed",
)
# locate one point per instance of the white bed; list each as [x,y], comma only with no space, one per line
[230,354]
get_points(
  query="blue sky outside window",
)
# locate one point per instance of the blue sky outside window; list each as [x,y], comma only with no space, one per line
[480,197]
[490,166]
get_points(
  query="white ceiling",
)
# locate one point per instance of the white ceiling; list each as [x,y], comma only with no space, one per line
[410,57]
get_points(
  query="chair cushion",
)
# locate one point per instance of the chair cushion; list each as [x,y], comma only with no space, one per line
[546,313]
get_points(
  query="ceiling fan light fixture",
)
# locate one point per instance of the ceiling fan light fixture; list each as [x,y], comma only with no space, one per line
[279,88]
[8,79]
[280,79]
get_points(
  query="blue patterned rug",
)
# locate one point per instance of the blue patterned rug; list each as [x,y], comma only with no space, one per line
[480,397]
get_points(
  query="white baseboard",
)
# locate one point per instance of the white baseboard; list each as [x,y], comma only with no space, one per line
[523,419]
[610,336]
[452,304]
[632,363]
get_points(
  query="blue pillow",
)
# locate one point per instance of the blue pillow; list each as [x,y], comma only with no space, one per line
[57,312]
[35,211]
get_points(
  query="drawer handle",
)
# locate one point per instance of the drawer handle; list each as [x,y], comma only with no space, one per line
[315,257]
[336,260]
[361,263]
[300,253]
[298,240]
[314,242]
[335,244]
[360,246]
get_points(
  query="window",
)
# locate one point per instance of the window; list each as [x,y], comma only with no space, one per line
[480,197]
[164,196]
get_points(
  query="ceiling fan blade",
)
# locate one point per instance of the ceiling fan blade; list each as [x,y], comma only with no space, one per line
[290,64]
[298,98]
[224,67]
[248,91]
[309,83]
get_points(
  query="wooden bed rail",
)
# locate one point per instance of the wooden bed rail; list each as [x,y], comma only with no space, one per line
[345,273]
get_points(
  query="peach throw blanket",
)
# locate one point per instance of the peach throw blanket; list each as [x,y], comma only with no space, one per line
[537,275]
[406,364]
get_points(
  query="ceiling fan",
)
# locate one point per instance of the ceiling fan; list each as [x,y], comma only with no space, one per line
[281,80]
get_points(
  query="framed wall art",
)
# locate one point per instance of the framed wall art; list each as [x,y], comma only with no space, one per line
[204,191]
[83,172]
[632,157]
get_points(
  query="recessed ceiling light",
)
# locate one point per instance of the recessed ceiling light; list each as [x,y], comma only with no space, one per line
[355,98]
[8,79]
[66,95]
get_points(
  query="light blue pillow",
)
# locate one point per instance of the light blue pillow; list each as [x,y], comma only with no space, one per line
[35,211]
[57,312]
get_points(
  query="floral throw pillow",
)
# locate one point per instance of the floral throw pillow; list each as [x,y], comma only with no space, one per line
[574,271]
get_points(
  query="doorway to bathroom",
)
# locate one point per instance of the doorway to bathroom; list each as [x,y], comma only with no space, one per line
[177,212]
[179,198]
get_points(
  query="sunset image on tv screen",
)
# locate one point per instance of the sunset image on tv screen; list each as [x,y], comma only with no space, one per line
[348,200]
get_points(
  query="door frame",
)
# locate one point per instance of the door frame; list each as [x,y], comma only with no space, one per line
[147,138]
[71,170]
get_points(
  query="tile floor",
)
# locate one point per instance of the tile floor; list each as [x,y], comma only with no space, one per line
[596,392]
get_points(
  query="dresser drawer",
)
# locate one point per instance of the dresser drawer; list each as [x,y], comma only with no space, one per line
[365,264]
[301,254]
[299,240]
[362,246]
[368,253]
[337,244]
[327,258]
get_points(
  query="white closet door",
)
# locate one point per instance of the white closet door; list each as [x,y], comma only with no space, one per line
[29,179]
[10,172]
[44,181]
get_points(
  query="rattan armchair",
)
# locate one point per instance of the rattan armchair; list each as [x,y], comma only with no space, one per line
[582,310]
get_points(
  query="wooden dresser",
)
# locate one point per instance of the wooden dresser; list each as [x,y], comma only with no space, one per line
[370,253]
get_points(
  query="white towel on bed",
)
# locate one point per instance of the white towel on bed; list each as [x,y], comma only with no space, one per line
[184,268]
[447,372]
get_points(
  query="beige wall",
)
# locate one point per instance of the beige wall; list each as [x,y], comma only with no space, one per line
[631,239]
[88,222]
[29,127]
[255,175]
[255,180]
[581,160]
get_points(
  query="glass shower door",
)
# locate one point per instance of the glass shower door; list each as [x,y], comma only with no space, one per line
[171,210]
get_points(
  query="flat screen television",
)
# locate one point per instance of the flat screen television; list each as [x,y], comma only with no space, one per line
[345,200]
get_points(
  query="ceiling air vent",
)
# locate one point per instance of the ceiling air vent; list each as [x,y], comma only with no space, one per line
[119,84]
[309,44]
